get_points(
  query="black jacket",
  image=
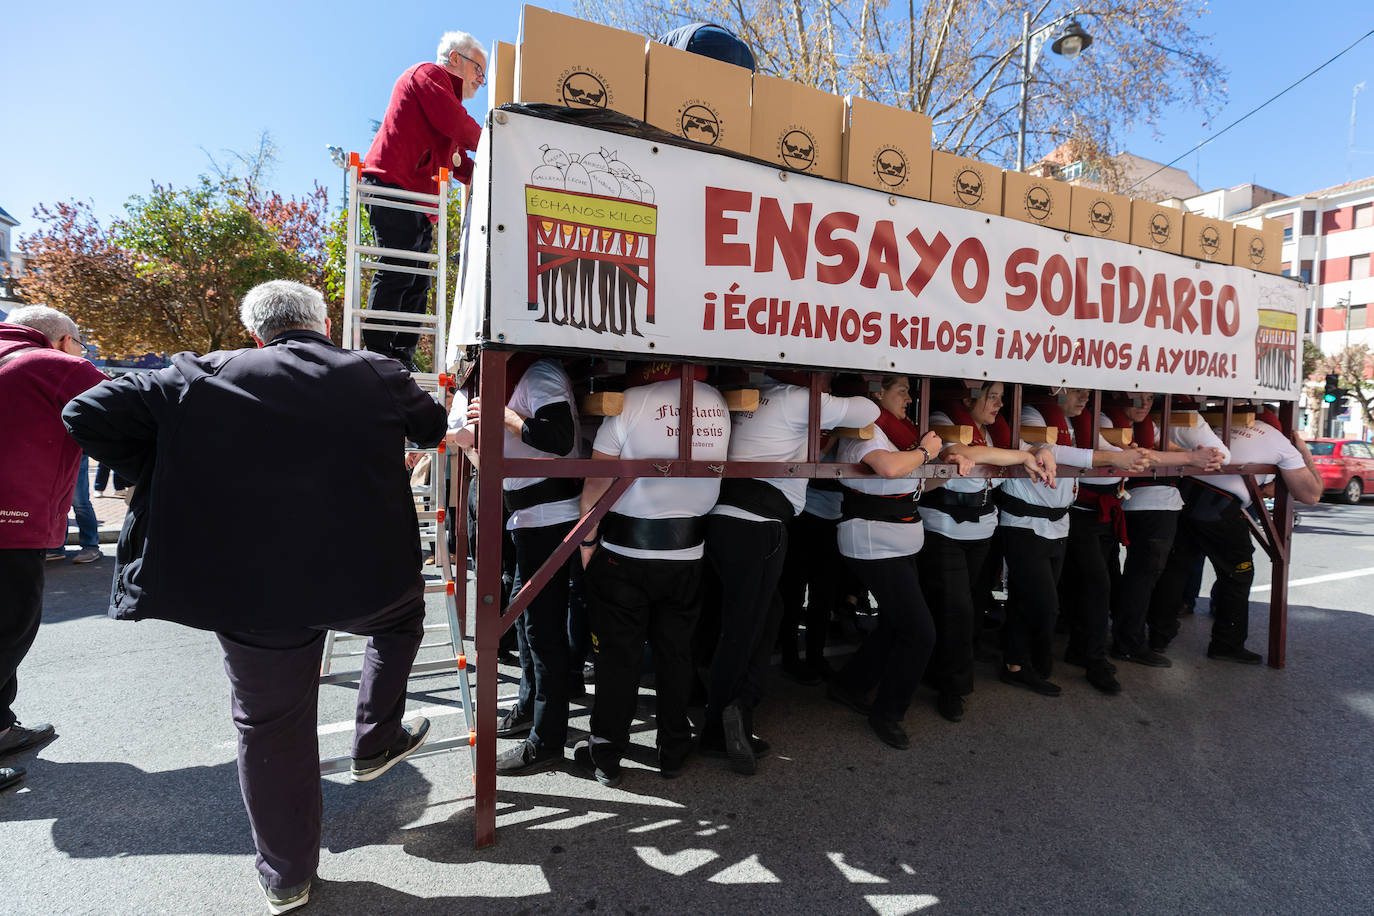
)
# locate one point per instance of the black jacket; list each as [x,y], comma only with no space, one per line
[271,487]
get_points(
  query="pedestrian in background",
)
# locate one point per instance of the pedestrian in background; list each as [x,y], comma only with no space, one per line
[41,368]
[241,430]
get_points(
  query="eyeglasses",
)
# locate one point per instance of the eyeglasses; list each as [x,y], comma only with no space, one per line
[85,347]
[481,70]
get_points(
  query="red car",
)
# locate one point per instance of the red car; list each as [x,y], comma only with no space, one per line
[1346,466]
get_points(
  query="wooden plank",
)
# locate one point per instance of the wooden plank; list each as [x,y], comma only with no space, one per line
[850,432]
[1238,417]
[1179,418]
[1040,435]
[741,399]
[961,434]
[603,404]
[1120,436]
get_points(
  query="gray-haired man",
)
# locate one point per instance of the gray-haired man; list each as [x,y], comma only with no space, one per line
[299,445]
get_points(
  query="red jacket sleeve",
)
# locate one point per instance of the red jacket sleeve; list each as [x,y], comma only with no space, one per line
[444,109]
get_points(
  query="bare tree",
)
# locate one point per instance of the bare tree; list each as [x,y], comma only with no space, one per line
[1353,364]
[959,61]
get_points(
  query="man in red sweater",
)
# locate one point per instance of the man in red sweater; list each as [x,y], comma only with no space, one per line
[425,129]
[41,369]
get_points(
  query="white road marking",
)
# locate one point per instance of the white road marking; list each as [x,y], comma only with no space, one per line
[678,863]
[899,904]
[1329,577]
[748,871]
[855,875]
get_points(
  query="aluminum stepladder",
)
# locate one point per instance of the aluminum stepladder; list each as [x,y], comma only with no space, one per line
[432,497]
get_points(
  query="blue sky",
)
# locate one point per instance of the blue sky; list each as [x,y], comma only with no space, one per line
[103,98]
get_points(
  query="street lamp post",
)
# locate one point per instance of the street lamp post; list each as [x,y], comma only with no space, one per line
[1068,45]
[336,155]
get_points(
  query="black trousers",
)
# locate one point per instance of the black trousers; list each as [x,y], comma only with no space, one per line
[543,632]
[21,609]
[894,655]
[631,600]
[1088,581]
[810,578]
[1223,535]
[951,572]
[1033,567]
[274,685]
[1152,537]
[397,291]
[747,556]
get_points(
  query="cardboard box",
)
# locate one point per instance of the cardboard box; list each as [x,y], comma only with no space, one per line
[1156,227]
[501,75]
[1259,245]
[797,127]
[966,183]
[886,148]
[1100,214]
[698,98]
[1208,239]
[578,64]
[1041,201]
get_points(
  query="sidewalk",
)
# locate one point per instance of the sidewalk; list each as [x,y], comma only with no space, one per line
[109,510]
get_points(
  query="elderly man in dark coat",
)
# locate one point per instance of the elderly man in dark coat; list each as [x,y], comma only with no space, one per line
[272,504]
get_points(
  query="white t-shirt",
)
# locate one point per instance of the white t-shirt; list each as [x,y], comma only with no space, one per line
[1027,490]
[648,428]
[543,383]
[1165,497]
[777,432]
[861,538]
[941,522]
[1258,444]
[824,502]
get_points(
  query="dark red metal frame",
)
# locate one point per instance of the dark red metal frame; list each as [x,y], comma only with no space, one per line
[1274,530]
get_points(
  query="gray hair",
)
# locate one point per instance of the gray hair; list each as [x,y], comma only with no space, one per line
[51,323]
[461,42]
[282,305]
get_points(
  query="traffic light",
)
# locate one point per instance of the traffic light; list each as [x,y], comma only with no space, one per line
[1332,380]
[1339,405]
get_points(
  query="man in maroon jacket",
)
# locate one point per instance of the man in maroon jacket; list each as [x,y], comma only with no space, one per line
[41,369]
[425,129]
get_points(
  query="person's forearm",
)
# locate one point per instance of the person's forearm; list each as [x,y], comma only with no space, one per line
[988,454]
[593,488]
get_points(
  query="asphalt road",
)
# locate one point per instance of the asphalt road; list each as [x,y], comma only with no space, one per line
[1205,788]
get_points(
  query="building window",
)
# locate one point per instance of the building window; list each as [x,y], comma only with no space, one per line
[1309,222]
[1305,271]
[1286,268]
[1364,215]
[1359,267]
[1072,170]
[1288,233]
[1357,317]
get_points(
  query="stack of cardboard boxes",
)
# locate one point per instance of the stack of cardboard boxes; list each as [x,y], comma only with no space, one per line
[565,61]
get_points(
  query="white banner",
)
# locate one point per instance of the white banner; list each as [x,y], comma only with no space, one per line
[607,243]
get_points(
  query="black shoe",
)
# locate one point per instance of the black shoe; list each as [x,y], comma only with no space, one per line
[11,776]
[1242,655]
[951,706]
[1076,657]
[797,670]
[412,736]
[606,773]
[712,744]
[1148,657]
[890,733]
[1159,645]
[846,697]
[1027,678]
[737,746]
[514,722]
[525,760]
[1104,679]
[671,767]
[18,738]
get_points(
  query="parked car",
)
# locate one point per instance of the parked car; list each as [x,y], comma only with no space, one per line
[1346,466]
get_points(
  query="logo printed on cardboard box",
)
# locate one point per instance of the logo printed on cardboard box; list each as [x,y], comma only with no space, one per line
[583,89]
[1210,239]
[1101,216]
[1161,227]
[890,167]
[797,148]
[1038,202]
[1257,251]
[968,187]
[699,121]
